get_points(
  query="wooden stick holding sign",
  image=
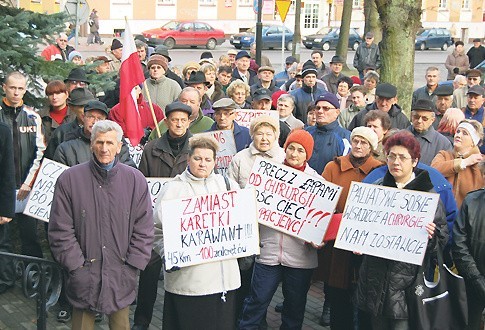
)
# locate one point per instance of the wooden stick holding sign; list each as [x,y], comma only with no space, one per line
[208,228]
[293,202]
[227,148]
[244,116]
[387,222]
[40,199]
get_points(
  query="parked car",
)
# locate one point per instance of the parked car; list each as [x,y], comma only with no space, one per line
[327,38]
[272,37]
[186,33]
[433,38]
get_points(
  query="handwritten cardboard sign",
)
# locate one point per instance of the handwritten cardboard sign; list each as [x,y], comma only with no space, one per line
[208,228]
[154,187]
[227,148]
[40,198]
[387,222]
[244,116]
[293,202]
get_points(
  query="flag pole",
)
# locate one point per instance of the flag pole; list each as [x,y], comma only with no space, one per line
[151,109]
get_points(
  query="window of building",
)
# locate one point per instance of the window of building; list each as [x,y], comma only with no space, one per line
[356,3]
[311,15]
[465,4]
[443,4]
[206,2]
[245,2]
[165,2]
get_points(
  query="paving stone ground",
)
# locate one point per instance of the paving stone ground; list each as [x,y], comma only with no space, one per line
[18,312]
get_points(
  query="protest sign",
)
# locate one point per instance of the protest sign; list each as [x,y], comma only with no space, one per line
[244,116]
[293,202]
[135,152]
[387,222]
[154,187]
[207,228]
[227,148]
[40,198]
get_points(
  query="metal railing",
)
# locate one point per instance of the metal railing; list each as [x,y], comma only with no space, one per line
[41,280]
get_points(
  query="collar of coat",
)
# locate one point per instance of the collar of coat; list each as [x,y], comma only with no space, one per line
[271,153]
[421,182]
[162,145]
[370,164]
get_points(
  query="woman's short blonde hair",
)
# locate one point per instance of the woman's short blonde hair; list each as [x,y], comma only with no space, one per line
[207,67]
[203,142]
[235,85]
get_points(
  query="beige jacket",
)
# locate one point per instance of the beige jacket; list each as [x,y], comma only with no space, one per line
[204,279]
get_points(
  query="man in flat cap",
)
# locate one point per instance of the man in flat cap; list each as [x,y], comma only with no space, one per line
[476,54]
[386,100]
[281,77]
[164,157]
[473,78]
[444,101]
[331,79]
[225,112]
[265,76]
[431,141]
[367,55]
[77,146]
[115,55]
[474,107]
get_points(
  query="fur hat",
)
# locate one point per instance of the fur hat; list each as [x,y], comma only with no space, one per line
[303,138]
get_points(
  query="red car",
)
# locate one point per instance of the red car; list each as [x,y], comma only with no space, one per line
[185,33]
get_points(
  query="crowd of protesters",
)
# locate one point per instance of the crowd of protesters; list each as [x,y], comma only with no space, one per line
[101,228]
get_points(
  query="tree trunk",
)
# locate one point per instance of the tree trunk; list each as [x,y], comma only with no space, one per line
[297,32]
[343,40]
[372,20]
[400,20]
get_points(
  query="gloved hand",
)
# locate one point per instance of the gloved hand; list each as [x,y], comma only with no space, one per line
[456,70]
[171,270]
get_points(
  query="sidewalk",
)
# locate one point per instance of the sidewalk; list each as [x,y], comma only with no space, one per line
[18,312]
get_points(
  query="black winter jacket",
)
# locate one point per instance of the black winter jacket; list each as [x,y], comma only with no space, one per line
[382,282]
[398,118]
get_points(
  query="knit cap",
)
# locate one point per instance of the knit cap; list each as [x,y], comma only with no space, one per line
[303,138]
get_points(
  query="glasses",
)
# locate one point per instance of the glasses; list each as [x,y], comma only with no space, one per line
[424,118]
[324,108]
[77,83]
[400,158]
[91,117]
[62,40]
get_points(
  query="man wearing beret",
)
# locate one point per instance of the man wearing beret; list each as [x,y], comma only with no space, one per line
[386,100]
[431,141]
[77,146]
[444,101]
[225,112]
[164,157]
[265,76]
[242,70]
[427,92]
[115,55]
[331,140]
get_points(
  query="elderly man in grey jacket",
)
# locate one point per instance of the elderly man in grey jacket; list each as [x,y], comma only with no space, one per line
[101,231]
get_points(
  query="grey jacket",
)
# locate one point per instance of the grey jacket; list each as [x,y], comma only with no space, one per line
[431,143]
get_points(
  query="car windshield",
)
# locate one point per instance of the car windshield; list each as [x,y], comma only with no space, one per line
[251,30]
[325,30]
[423,33]
[173,25]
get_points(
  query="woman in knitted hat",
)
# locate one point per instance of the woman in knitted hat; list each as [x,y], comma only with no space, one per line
[283,257]
[264,131]
[341,267]
[188,68]
[460,165]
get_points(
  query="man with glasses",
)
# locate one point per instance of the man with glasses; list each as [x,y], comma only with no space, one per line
[76,79]
[473,78]
[225,111]
[331,140]
[386,100]
[367,55]
[77,146]
[431,141]
[59,51]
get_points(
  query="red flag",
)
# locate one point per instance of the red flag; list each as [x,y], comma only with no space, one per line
[131,74]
